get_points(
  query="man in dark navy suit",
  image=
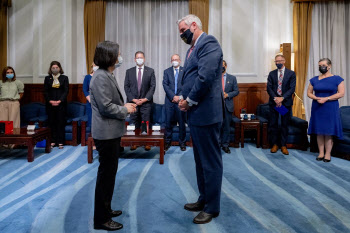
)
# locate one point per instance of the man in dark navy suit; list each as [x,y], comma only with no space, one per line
[230,87]
[172,87]
[139,86]
[202,98]
[280,87]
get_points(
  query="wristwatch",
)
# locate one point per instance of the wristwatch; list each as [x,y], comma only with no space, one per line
[328,99]
[189,104]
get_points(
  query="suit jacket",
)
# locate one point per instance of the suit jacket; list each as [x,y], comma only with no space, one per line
[231,89]
[288,87]
[201,82]
[169,83]
[148,85]
[108,111]
[60,93]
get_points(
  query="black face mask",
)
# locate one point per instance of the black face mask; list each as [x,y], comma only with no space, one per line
[323,69]
[187,36]
[223,69]
[279,65]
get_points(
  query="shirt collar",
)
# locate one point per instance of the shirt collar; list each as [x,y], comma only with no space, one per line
[142,67]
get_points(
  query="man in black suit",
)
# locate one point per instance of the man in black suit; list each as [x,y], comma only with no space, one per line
[139,86]
[230,88]
[280,87]
[172,86]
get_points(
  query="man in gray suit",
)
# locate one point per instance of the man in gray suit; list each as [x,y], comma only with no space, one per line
[108,126]
[139,86]
[230,88]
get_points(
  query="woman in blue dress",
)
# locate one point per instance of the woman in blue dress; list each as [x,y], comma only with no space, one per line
[86,86]
[325,90]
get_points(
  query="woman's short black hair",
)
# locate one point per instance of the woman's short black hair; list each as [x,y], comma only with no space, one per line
[55,63]
[327,60]
[106,54]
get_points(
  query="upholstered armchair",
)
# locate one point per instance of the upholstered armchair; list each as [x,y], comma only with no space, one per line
[297,130]
[235,132]
[33,112]
[75,114]
[341,148]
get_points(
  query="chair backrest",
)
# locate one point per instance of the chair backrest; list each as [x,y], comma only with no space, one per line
[345,117]
[158,114]
[32,110]
[75,109]
[263,110]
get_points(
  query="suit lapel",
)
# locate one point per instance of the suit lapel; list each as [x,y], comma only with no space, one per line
[144,76]
[179,78]
[227,82]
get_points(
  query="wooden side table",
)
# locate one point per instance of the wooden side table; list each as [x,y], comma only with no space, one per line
[250,124]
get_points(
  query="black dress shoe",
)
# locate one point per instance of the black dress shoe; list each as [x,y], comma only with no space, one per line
[167,146]
[319,158]
[183,147]
[326,160]
[115,213]
[109,226]
[194,207]
[226,150]
[203,217]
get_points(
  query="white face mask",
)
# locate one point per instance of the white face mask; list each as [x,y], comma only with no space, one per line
[94,68]
[175,63]
[139,61]
[120,62]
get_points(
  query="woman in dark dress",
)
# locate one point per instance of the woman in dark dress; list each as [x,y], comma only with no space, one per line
[56,87]
[325,122]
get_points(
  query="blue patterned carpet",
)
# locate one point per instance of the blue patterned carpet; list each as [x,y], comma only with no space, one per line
[261,192]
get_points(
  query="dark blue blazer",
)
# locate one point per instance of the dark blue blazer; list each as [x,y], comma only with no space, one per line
[169,83]
[148,85]
[201,82]
[288,87]
[231,89]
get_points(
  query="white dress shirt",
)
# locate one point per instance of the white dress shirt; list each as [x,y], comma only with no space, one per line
[137,71]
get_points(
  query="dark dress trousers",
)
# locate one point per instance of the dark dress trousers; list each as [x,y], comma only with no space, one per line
[231,89]
[56,114]
[148,86]
[173,114]
[201,83]
[279,137]
[108,126]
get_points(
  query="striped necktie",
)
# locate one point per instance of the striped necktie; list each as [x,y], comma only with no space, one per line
[280,79]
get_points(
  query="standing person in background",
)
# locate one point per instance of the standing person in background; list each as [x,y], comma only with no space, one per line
[172,86]
[11,91]
[56,88]
[230,88]
[139,86]
[202,98]
[108,126]
[280,87]
[325,122]
[86,86]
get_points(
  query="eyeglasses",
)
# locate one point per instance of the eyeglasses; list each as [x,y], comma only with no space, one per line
[279,61]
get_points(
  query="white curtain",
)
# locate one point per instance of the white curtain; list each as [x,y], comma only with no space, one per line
[149,26]
[250,33]
[330,39]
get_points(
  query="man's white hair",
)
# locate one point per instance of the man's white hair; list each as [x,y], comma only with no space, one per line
[189,19]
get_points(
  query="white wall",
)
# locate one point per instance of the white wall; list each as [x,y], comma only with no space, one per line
[250,33]
[41,31]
